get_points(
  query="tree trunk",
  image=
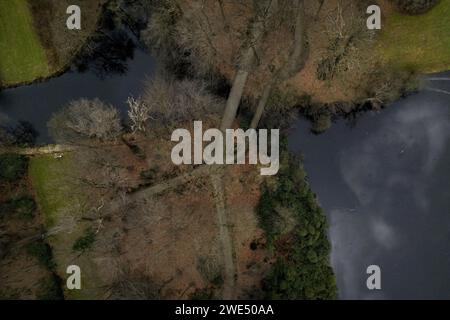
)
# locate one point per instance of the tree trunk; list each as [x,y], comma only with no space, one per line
[245,67]
[261,105]
[234,99]
[288,69]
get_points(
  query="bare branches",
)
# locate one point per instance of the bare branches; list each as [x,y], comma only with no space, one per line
[346,36]
[85,119]
[172,101]
[289,68]
[139,113]
[336,25]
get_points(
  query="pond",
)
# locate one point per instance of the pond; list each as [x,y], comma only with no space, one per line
[36,103]
[384,182]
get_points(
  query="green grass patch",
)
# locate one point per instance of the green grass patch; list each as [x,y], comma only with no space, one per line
[22,57]
[51,187]
[420,43]
[60,197]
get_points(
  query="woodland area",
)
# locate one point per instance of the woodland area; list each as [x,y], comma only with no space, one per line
[113,198]
[323,60]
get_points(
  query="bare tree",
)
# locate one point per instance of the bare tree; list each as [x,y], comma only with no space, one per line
[346,35]
[85,119]
[134,284]
[237,37]
[291,65]
[139,114]
[174,101]
[248,59]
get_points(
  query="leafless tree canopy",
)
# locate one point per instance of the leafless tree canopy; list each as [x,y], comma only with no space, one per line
[174,101]
[134,285]
[139,114]
[346,34]
[83,119]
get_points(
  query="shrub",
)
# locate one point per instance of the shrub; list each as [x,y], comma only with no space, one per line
[415,6]
[322,123]
[139,152]
[210,270]
[85,242]
[202,294]
[12,166]
[42,252]
[50,289]
[6,138]
[24,206]
[280,109]
[149,174]
[24,134]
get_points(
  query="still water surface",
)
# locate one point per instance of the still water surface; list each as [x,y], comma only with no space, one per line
[385,186]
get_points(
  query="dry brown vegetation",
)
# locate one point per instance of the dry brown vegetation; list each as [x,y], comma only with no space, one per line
[23,272]
[339,66]
[338,36]
[156,236]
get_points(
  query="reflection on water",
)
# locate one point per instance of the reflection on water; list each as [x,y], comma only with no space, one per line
[111,67]
[107,54]
[36,103]
[385,187]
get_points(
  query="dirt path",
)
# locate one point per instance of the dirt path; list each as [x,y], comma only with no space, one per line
[224,236]
[48,149]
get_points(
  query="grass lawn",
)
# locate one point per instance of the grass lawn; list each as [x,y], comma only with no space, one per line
[22,57]
[56,198]
[50,187]
[421,42]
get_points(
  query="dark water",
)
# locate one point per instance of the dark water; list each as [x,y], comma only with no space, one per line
[37,102]
[385,186]
[383,183]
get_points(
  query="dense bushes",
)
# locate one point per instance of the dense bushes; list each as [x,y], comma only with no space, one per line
[415,6]
[50,288]
[25,206]
[42,252]
[12,167]
[297,230]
